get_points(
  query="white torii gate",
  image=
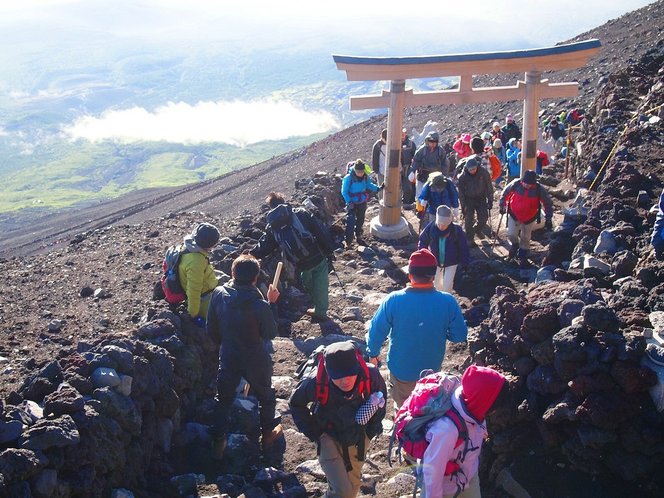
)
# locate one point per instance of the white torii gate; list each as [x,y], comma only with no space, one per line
[390,224]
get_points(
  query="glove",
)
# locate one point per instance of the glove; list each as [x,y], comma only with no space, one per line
[548,225]
[200,322]
[456,213]
[382,186]
[502,210]
[411,177]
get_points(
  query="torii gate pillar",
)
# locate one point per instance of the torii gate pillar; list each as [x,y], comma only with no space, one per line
[530,118]
[390,224]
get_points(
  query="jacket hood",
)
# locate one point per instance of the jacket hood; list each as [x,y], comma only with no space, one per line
[191,245]
[481,386]
[432,137]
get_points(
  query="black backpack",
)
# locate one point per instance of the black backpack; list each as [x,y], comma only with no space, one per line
[296,242]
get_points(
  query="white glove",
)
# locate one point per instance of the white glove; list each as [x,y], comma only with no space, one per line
[411,177]
[456,213]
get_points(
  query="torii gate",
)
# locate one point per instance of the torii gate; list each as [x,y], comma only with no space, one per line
[390,224]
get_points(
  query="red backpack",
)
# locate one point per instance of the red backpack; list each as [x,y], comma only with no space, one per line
[170,279]
[430,400]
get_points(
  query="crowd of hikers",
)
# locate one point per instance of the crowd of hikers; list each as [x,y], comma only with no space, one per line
[340,400]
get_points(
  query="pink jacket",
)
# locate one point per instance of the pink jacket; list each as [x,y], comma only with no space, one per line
[462,149]
[442,436]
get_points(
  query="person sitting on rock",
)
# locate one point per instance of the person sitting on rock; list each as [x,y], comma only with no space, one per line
[521,200]
[476,197]
[243,323]
[415,348]
[657,237]
[447,242]
[331,420]
[447,469]
[305,244]
[196,274]
[438,190]
[355,189]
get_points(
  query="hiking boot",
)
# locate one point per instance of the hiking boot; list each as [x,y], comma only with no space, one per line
[512,254]
[349,243]
[269,438]
[361,241]
[219,447]
[655,353]
[525,264]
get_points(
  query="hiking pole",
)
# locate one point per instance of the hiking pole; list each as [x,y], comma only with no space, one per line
[343,287]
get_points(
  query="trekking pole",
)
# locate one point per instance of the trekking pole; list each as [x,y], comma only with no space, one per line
[500,222]
[343,287]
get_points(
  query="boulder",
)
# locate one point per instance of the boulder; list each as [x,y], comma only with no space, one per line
[65,400]
[20,464]
[49,433]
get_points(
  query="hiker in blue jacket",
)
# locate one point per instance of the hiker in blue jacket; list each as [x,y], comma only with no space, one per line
[513,163]
[419,320]
[657,238]
[355,189]
[437,191]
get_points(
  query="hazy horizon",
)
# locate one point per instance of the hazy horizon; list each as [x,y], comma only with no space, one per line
[103,35]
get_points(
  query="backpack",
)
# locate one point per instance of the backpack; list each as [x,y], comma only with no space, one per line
[296,242]
[170,279]
[496,167]
[430,400]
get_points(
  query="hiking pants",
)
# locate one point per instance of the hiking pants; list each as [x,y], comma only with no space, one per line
[519,233]
[399,390]
[407,188]
[257,371]
[340,482]
[316,283]
[475,207]
[355,220]
[472,489]
[444,280]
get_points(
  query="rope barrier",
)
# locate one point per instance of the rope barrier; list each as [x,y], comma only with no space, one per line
[615,146]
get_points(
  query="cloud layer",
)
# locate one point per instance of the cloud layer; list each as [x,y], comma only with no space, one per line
[236,123]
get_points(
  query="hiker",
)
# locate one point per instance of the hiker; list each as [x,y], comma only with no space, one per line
[521,200]
[511,129]
[476,198]
[429,157]
[305,244]
[556,132]
[477,148]
[244,325]
[499,151]
[449,469]
[355,189]
[415,348]
[657,237]
[438,190]
[462,146]
[196,274]
[378,161]
[542,159]
[447,242]
[513,153]
[486,138]
[497,133]
[407,153]
[346,383]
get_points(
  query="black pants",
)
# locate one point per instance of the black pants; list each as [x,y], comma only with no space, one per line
[472,208]
[257,372]
[355,220]
[407,188]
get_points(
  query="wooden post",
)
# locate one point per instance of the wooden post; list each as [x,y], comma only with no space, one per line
[568,144]
[530,128]
[390,211]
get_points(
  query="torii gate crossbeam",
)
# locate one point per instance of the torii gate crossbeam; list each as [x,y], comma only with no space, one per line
[397,70]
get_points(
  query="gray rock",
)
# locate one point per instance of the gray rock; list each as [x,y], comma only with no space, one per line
[124,387]
[311,467]
[10,431]
[105,377]
[101,293]
[606,242]
[124,359]
[375,298]
[120,408]
[20,464]
[568,310]
[164,434]
[50,433]
[591,262]
[55,325]
[156,328]
[86,291]
[65,400]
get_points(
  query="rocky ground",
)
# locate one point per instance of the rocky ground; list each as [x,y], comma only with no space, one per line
[138,391]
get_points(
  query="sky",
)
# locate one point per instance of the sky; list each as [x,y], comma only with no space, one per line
[350,27]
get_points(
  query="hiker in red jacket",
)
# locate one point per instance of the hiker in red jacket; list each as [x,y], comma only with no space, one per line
[451,470]
[521,200]
[324,407]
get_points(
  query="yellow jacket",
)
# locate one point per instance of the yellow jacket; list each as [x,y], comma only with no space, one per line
[197,278]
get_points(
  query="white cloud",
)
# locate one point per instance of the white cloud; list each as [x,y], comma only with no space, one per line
[237,123]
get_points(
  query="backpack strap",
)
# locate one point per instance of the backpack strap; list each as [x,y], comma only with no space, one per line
[539,204]
[364,388]
[322,382]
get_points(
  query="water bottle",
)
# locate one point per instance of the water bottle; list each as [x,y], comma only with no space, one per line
[370,406]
